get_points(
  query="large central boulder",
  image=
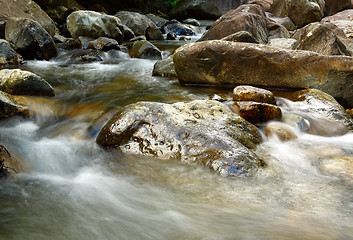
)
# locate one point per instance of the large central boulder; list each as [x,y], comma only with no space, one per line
[226,63]
[203,9]
[205,132]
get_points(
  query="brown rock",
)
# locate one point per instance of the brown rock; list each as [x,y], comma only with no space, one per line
[324,38]
[343,20]
[145,49]
[104,44]
[203,9]
[249,93]
[255,112]
[265,4]
[334,6]
[225,63]
[301,12]
[26,9]
[247,17]
[350,112]
[241,36]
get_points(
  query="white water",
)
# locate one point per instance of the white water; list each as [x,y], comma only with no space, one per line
[75,190]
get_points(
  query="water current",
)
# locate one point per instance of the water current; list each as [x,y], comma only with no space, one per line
[72,189]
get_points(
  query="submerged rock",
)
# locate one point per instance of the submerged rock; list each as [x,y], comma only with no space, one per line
[31,40]
[204,132]
[225,63]
[8,56]
[282,131]
[325,115]
[19,82]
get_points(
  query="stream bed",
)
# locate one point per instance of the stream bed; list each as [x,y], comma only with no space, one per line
[72,189]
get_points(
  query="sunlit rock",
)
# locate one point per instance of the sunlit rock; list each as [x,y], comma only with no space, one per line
[250,93]
[19,82]
[204,132]
[224,63]
[282,131]
[164,68]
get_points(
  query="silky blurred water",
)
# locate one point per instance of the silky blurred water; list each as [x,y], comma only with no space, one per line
[72,189]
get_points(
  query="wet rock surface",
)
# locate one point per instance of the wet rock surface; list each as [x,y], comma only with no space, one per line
[164,68]
[8,56]
[9,108]
[19,82]
[204,132]
[256,112]
[250,93]
[31,40]
[326,117]
[225,63]
[145,49]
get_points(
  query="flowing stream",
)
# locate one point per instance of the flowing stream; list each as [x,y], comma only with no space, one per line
[72,189]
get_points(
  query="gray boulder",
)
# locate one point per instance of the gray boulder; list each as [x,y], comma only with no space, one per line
[204,132]
[104,44]
[31,40]
[137,22]
[225,63]
[19,82]
[94,25]
[8,56]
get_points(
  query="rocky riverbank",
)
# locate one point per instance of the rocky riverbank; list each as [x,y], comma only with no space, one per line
[282,45]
